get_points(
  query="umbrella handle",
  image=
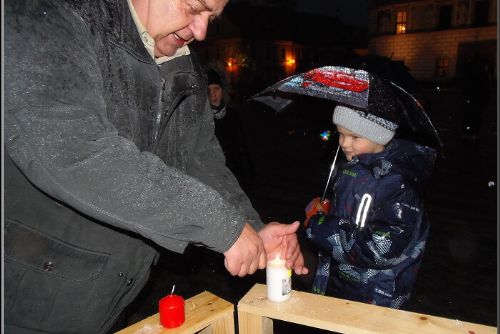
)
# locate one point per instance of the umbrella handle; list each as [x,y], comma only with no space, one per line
[315,207]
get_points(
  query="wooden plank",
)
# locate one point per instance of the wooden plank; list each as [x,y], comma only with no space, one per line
[254,324]
[223,325]
[349,317]
[202,310]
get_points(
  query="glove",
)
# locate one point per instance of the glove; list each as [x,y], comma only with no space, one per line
[315,207]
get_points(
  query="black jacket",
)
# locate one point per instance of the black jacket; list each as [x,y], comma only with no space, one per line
[105,152]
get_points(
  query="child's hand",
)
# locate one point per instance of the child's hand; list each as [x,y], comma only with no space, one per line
[316,206]
[319,231]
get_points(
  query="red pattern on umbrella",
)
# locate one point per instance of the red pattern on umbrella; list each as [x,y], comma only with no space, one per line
[336,79]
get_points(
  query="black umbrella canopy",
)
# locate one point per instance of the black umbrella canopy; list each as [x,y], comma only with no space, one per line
[361,90]
[385,67]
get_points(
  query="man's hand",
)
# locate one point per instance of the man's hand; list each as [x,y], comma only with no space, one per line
[281,239]
[246,255]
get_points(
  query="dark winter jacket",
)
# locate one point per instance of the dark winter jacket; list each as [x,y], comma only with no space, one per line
[105,152]
[373,238]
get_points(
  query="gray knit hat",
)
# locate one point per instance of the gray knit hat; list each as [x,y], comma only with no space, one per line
[374,128]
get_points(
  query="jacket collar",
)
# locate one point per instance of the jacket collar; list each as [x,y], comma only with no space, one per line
[149,42]
[121,29]
[407,157]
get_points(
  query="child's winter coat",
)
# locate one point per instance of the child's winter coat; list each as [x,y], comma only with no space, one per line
[372,240]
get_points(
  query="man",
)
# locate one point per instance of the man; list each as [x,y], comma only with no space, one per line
[109,146]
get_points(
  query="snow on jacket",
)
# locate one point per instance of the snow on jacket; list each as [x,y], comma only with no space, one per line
[372,240]
[105,152]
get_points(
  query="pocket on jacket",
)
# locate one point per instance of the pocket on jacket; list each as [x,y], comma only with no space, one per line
[47,278]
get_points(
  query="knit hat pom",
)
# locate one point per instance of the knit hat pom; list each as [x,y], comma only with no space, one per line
[376,129]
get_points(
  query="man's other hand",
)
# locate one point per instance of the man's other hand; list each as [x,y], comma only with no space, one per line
[246,255]
[281,239]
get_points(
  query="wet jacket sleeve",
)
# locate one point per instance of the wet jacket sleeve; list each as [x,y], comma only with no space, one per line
[58,134]
[209,165]
[392,222]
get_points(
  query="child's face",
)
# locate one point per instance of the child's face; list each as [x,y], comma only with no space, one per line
[353,145]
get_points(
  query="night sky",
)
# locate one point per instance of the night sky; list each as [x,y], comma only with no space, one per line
[350,12]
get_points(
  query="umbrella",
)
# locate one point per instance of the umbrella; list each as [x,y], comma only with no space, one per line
[385,67]
[275,102]
[358,89]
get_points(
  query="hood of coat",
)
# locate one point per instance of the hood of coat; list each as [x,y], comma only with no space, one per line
[403,157]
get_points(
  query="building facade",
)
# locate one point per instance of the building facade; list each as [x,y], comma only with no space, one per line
[436,39]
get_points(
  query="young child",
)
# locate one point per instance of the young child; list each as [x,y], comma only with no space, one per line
[373,237]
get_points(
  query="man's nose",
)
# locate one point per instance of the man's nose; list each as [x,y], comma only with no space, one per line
[199,26]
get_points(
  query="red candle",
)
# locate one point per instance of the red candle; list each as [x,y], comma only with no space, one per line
[171,311]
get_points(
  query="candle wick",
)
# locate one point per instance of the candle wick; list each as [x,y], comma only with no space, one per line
[173,288]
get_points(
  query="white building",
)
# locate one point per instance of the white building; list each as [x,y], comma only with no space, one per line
[434,38]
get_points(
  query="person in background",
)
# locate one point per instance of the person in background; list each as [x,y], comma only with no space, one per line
[110,152]
[372,239]
[228,129]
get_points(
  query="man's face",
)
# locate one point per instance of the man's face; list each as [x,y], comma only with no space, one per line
[215,94]
[175,23]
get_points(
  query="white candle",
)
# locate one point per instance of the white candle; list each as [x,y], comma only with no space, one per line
[279,280]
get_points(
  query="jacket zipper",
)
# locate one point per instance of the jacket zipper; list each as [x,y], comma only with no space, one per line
[160,110]
[162,122]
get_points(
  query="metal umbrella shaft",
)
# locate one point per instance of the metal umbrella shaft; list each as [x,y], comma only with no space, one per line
[330,175]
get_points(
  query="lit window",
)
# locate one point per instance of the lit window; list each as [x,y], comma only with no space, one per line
[401,22]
